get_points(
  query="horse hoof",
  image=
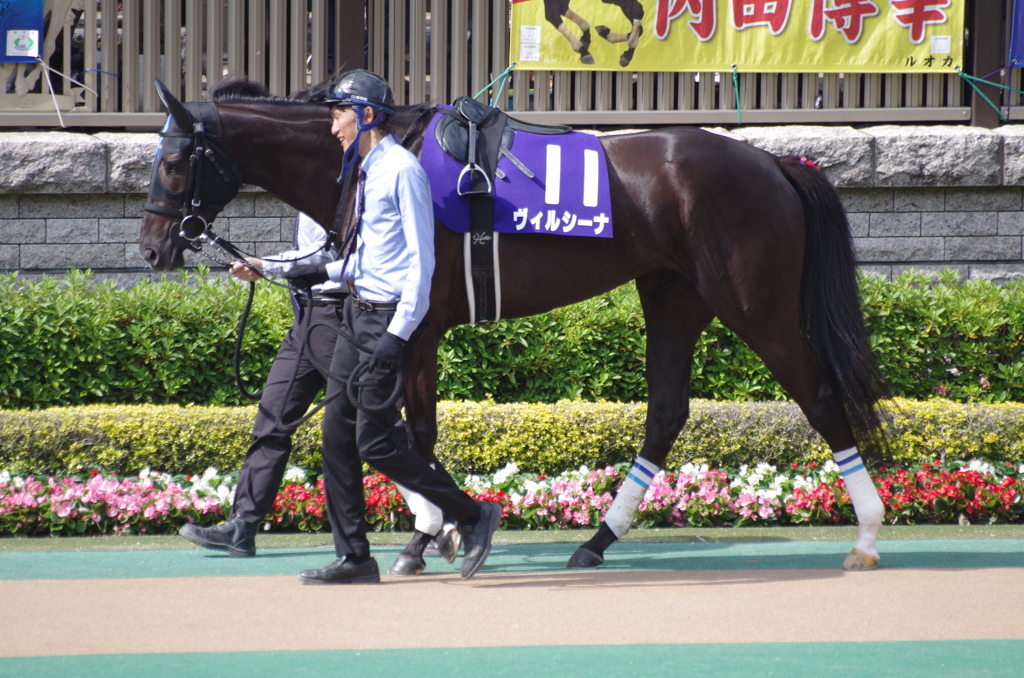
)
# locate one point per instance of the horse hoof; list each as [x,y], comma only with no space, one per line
[603,31]
[626,57]
[858,560]
[584,559]
[587,59]
[407,566]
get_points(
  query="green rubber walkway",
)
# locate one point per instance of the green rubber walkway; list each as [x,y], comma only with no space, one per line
[966,554]
[536,571]
[927,659]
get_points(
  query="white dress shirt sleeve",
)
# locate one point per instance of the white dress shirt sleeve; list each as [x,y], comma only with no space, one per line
[311,239]
[416,206]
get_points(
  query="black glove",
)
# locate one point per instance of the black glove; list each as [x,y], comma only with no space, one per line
[307,275]
[387,354]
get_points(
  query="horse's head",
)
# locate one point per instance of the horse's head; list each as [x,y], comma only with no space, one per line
[193,178]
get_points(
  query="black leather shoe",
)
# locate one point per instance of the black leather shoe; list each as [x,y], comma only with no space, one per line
[235,536]
[476,538]
[406,566]
[343,571]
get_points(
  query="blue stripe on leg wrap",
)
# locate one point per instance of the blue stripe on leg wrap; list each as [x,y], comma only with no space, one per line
[642,483]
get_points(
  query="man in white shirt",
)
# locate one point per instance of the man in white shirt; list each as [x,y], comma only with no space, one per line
[388,264]
[267,457]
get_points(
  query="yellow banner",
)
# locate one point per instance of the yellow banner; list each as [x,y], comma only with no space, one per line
[802,36]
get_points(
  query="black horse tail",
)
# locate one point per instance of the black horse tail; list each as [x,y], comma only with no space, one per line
[830,313]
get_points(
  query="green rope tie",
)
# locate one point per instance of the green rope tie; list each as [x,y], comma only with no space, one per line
[501,88]
[970,80]
[736,90]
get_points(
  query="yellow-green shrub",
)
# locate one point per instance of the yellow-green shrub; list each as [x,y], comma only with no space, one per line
[483,437]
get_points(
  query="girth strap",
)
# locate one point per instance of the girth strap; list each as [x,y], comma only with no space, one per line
[481,215]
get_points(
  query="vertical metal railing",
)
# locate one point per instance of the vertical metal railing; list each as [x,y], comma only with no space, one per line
[192,45]
[437,50]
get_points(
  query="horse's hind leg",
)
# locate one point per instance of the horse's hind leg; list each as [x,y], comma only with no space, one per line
[675,316]
[787,356]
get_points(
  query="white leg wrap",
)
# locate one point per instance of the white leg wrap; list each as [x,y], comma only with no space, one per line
[429,518]
[620,516]
[866,503]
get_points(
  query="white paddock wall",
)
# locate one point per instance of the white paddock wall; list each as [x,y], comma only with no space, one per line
[925,197]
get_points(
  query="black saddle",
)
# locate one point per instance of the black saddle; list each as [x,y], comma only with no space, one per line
[477,136]
[459,135]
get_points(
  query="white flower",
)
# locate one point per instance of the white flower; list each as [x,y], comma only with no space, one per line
[144,473]
[696,472]
[477,483]
[802,483]
[294,474]
[979,466]
[5,477]
[209,473]
[510,470]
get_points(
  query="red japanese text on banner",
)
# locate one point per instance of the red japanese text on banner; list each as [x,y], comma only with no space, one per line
[825,36]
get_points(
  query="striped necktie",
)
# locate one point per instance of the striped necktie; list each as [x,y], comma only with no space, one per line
[357,222]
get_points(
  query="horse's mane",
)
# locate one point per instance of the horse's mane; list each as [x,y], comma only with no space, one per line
[244,91]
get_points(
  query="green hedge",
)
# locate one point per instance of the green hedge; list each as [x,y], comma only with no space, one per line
[483,437]
[76,343]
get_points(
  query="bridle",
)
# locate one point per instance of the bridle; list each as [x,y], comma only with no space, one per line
[212,182]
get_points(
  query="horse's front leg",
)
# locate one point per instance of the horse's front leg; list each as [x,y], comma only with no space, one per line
[420,404]
[675,316]
[634,11]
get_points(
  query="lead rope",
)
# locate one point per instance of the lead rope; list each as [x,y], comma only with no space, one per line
[351,385]
[238,347]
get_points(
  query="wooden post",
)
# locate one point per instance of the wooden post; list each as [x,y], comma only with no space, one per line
[986,27]
[349,35]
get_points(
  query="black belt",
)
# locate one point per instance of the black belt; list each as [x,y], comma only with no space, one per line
[373,306]
[323,299]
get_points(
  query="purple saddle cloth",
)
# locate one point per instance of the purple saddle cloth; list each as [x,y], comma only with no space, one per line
[568,194]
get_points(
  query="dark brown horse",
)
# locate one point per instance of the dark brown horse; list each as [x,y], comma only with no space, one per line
[705,225]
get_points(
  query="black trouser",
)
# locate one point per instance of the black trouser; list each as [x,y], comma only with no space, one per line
[353,436]
[267,458]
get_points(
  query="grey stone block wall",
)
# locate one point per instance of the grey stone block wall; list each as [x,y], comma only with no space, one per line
[52,233]
[977,231]
[918,197]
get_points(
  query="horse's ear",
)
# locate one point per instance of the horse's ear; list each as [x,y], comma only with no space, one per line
[174,107]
